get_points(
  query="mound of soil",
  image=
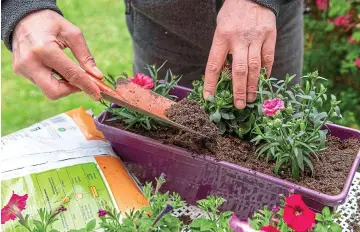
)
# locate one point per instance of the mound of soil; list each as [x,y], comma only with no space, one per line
[330,171]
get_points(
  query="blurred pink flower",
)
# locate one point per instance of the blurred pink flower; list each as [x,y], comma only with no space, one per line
[322,4]
[143,80]
[272,106]
[357,62]
[343,21]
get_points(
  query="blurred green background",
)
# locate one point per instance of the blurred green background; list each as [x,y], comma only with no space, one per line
[103,23]
[104,27]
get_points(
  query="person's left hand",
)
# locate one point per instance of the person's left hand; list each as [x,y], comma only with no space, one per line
[247,30]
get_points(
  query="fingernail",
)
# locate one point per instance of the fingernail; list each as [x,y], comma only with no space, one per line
[240,104]
[251,97]
[97,72]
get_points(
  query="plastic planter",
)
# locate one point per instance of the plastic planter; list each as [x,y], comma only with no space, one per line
[194,178]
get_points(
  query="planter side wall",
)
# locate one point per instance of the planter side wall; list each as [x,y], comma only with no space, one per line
[195,178]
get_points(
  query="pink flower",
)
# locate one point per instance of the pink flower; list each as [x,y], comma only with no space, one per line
[13,208]
[102,212]
[357,62]
[322,4]
[143,80]
[343,21]
[272,106]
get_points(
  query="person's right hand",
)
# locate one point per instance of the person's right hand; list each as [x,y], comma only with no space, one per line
[38,41]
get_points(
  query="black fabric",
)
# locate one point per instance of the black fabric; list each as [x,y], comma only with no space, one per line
[12,11]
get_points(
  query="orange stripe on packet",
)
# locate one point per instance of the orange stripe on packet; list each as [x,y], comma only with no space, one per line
[126,193]
[86,124]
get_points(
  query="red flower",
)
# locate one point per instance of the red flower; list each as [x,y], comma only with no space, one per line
[269,229]
[297,215]
[143,80]
[322,4]
[357,62]
[343,21]
[13,208]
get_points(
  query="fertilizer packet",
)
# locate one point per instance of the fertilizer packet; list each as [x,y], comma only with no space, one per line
[65,161]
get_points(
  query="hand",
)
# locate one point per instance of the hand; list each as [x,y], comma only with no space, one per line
[38,41]
[247,30]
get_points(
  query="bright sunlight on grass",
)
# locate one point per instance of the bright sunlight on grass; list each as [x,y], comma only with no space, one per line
[104,27]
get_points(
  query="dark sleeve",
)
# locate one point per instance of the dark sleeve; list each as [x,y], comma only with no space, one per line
[273,5]
[12,11]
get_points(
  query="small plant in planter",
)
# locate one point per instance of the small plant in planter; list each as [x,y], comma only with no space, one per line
[293,135]
[131,118]
[221,109]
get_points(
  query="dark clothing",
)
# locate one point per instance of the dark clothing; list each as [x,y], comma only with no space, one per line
[181,32]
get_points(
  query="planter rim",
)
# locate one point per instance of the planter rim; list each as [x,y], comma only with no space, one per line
[292,187]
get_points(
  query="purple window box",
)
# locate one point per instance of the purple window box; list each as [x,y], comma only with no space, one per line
[194,178]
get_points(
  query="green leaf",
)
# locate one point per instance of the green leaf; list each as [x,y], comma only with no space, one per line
[319,217]
[307,97]
[279,163]
[309,164]
[91,225]
[326,212]
[322,138]
[299,157]
[215,117]
[265,147]
[334,227]
[298,115]
[295,172]
[227,116]
[291,95]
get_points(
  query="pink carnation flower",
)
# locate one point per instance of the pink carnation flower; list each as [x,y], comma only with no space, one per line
[322,4]
[143,80]
[272,106]
[343,21]
[357,62]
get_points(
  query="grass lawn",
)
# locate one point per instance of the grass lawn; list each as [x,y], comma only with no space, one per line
[104,27]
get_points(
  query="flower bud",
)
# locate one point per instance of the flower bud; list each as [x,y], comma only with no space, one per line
[289,109]
[270,124]
[302,126]
[277,123]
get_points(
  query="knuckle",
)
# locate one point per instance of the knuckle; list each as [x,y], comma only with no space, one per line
[225,32]
[76,32]
[89,59]
[17,68]
[240,69]
[251,88]
[73,76]
[240,93]
[213,67]
[268,59]
[254,64]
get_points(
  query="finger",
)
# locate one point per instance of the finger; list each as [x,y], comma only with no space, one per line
[55,58]
[254,70]
[77,44]
[217,56]
[240,73]
[52,88]
[268,53]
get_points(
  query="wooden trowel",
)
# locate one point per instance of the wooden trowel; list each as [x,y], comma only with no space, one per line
[139,99]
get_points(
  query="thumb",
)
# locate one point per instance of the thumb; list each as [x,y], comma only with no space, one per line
[77,44]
